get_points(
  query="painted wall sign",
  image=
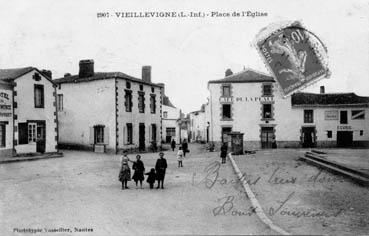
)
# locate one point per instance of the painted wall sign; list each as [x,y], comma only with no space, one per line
[344,128]
[331,115]
[5,104]
[245,99]
[291,53]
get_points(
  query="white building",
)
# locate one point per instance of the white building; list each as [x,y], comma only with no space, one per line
[199,129]
[108,111]
[250,102]
[28,119]
[170,120]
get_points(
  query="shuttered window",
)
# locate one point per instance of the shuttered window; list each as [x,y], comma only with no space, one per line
[22,133]
[129,133]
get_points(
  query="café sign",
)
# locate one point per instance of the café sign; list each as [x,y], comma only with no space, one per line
[245,99]
[344,128]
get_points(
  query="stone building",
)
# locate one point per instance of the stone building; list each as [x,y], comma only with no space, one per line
[170,120]
[109,111]
[28,118]
[198,126]
[251,103]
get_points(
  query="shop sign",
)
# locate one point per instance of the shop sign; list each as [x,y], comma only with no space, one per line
[331,115]
[245,99]
[5,104]
[344,128]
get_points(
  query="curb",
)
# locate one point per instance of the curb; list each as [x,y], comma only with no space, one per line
[255,203]
[34,158]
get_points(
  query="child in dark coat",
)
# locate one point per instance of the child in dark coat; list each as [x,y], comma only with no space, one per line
[151,177]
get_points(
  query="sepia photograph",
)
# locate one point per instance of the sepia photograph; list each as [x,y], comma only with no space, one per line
[163,117]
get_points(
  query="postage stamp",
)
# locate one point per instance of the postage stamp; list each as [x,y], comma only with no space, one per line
[294,56]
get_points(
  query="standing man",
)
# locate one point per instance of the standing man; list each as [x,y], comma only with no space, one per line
[173,144]
[184,147]
[160,167]
[223,152]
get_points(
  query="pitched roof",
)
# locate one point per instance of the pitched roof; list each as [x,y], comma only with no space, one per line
[246,76]
[167,102]
[11,74]
[101,76]
[328,99]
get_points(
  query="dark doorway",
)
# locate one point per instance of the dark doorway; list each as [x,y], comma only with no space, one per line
[41,137]
[141,137]
[267,137]
[344,138]
[308,137]
[343,117]
[207,134]
[225,131]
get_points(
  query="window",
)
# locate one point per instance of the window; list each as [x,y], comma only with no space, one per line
[152,103]
[39,95]
[226,90]
[31,132]
[128,100]
[129,133]
[152,89]
[165,114]
[308,116]
[329,134]
[267,111]
[128,85]
[141,102]
[141,87]
[226,111]
[343,117]
[358,114]
[361,132]
[22,133]
[60,102]
[153,132]
[2,135]
[225,131]
[99,134]
[171,131]
[267,89]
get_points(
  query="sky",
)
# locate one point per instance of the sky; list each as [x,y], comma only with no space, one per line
[185,53]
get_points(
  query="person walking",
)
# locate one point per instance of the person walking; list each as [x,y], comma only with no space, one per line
[173,144]
[160,167]
[180,157]
[151,177]
[125,171]
[139,168]
[223,152]
[184,147]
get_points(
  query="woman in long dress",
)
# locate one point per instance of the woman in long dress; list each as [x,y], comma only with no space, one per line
[125,171]
[139,168]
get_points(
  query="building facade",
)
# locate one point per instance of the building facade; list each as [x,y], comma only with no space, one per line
[109,111]
[198,127]
[170,120]
[251,103]
[28,118]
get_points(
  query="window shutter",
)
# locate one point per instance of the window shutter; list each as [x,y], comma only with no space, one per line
[150,131]
[92,138]
[124,141]
[106,135]
[23,133]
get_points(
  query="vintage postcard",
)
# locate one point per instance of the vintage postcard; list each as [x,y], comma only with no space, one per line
[163,117]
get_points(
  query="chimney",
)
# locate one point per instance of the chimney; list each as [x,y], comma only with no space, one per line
[67,75]
[322,90]
[48,73]
[86,68]
[163,87]
[228,72]
[146,74]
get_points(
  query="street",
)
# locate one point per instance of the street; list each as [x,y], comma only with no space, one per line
[80,194]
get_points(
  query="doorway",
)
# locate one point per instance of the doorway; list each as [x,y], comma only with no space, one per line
[225,131]
[41,137]
[141,137]
[267,137]
[308,137]
[344,138]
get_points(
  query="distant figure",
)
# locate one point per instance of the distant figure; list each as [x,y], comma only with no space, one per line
[274,143]
[223,152]
[180,157]
[139,168]
[184,147]
[173,144]
[160,167]
[151,178]
[125,171]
